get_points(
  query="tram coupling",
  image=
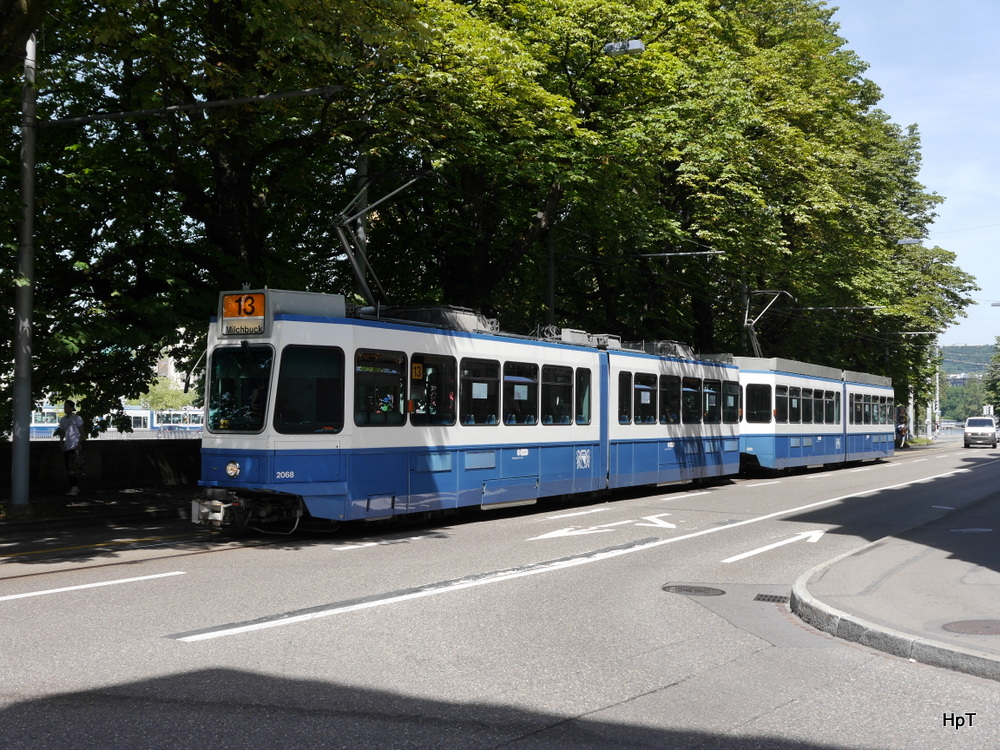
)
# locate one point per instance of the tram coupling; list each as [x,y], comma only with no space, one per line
[227,508]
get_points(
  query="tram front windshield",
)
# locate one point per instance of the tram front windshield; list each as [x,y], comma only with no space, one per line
[238,382]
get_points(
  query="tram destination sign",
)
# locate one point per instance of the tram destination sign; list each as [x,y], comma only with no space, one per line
[243,314]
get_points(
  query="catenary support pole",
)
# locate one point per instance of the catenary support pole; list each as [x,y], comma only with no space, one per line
[24,294]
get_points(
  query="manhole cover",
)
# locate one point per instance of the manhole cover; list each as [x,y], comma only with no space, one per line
[974,627]
[693,590]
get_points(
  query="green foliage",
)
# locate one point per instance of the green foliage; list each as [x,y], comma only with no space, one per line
[968,359]
[991,379]
[164,393]
[747,128]
[960,402]
[18,20]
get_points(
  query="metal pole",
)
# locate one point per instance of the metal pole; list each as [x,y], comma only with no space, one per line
[24,293]
[550,278]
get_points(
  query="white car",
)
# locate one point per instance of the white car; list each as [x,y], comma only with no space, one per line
[980,431]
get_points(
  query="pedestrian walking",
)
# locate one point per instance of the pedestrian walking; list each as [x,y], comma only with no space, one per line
[901,434]
[70,434]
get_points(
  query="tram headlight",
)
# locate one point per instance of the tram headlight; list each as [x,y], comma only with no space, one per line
[232,469]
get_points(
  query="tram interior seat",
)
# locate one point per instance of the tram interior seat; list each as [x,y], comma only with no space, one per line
[378,417]
[514,418]
[474,419]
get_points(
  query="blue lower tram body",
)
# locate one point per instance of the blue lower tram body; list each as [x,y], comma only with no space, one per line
[342,485]
[794,451]
[639,463]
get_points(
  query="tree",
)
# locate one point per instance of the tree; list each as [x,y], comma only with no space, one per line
[18,21]
[143,220]
[745,128]
[163,394]
[991,380]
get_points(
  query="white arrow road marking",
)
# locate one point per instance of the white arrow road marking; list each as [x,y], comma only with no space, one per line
[658,521]
[808,536]
[577,531]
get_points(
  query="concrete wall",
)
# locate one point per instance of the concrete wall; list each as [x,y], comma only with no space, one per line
[110,464]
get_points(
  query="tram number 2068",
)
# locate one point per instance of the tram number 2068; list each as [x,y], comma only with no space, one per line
[285,475]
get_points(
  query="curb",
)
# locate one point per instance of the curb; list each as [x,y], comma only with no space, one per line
[848,627]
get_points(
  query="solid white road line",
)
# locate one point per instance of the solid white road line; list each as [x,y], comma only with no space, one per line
[89,586]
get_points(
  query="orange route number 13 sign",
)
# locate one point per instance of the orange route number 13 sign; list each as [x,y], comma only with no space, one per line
[243,314]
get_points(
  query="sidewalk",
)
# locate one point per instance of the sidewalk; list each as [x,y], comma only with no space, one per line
[931,594]
[97,507]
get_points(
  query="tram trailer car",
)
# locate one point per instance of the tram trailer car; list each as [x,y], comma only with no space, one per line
[45,419]
[798,414]
[312,412]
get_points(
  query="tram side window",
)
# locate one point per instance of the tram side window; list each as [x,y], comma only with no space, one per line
[691,400]
[433,386]
[819,416]
[867,408]
[557,395]
[624,398]
[836,408]
[583,396]
[857,409]
[379,387]
[758,406]
[520,393]
[730,402]
[45,417]
[781,403]
[238,381]
[645,398]
[479,393]
[794,404]
[670,399]
[310,393]
[807,406]
[713,401]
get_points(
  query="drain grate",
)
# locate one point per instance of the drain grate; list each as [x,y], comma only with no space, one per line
[771,598]
[693,590]
[974,627]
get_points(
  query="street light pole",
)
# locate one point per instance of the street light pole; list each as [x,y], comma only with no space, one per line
[25,291]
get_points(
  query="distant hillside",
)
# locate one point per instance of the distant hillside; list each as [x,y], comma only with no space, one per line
[968,359]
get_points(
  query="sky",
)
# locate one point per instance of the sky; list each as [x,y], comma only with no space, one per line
[937,63]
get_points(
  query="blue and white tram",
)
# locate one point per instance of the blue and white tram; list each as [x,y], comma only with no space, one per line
[144,423]
[310,411]
[797,414]
[870,418]
[186,419]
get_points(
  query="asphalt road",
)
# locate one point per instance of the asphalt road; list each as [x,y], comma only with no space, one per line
[648,621]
